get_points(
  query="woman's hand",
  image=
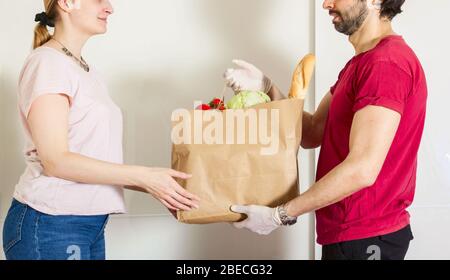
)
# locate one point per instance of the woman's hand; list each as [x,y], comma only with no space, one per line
[160,183]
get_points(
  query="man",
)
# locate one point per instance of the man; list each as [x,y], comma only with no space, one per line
[369,127]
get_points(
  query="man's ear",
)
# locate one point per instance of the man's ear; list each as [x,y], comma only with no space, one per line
[376,4]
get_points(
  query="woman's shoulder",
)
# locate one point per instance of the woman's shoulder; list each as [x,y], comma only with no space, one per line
[46,60]
[45,64]
[46,55]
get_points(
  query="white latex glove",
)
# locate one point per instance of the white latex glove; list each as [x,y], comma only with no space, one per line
[260,219]
[247,77]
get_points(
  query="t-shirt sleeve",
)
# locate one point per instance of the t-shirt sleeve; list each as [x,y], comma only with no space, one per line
[333,88]
[44,74]
[382,84]
[341,73]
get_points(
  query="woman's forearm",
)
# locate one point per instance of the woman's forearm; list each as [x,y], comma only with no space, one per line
[82,169]
[158,182]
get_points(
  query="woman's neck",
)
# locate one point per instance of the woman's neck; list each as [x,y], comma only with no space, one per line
[71,40]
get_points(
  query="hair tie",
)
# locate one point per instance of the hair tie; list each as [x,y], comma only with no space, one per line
[44,20]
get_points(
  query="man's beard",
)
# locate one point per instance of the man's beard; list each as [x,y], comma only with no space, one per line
[352,18]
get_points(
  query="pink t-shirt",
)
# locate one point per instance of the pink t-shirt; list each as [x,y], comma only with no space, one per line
[95,131]
[390,76]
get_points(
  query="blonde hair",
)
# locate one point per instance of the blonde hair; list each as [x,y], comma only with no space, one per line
[41,34]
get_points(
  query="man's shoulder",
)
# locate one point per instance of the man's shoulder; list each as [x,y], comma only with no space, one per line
[394,50]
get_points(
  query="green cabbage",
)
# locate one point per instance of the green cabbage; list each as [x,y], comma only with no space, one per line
[246,99]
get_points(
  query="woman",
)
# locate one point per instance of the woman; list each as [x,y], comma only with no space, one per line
[74,177]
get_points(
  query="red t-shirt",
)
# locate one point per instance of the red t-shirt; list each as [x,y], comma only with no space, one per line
[391,76]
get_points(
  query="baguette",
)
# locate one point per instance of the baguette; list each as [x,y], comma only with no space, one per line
[302,77]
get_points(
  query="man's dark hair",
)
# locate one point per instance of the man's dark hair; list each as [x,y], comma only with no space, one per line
[391,8]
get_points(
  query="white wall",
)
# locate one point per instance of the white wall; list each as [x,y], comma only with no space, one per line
[162,55]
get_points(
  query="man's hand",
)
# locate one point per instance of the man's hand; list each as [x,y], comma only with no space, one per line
[247,77]
[260,219]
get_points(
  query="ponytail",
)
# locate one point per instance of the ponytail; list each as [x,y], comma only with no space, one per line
[44,19]
[41,35]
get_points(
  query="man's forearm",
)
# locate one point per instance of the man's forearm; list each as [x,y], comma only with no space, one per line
[343,181]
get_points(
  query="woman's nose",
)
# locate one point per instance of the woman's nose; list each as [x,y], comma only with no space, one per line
[109,8]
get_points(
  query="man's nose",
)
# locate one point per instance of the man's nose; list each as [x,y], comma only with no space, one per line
[328,4]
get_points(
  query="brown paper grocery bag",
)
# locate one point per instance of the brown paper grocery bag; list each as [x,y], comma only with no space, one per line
[238,172]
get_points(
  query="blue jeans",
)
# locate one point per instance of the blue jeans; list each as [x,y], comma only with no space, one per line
[32,235]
